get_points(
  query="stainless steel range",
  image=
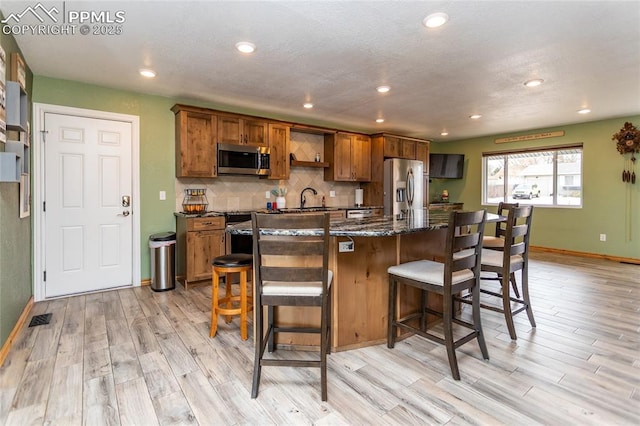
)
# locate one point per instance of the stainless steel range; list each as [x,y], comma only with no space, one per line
[239,243]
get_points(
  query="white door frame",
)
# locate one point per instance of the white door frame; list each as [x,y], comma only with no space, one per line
[39,223]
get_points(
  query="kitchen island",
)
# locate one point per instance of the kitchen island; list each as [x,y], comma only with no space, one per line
[360,283]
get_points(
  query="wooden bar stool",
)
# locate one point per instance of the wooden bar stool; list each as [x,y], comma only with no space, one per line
[227,265]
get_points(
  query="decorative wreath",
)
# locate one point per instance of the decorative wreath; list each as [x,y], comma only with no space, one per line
[628,139]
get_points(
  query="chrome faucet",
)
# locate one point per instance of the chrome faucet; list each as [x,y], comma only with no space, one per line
[303,199]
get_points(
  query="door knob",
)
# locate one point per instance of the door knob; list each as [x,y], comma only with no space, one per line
[125,213]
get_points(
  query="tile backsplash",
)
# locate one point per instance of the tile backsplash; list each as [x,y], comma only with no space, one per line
[248,192]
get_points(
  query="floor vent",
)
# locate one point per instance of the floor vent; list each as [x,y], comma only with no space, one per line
[40,320]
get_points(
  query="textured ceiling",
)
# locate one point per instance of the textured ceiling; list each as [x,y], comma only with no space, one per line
[334,54]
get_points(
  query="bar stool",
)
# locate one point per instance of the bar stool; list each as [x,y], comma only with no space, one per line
[227,265]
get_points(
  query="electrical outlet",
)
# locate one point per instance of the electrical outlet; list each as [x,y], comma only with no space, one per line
[332,194]
[345,246]
[603,237]
[163,195]
[267,195]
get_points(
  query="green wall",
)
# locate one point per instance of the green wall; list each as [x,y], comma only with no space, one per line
[15,236]
[606,199]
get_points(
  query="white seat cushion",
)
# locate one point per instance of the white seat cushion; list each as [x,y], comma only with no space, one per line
[428,271]
[283,288]
[492,242]
[494,258]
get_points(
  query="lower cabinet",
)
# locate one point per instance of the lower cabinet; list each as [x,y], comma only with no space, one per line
[199,240]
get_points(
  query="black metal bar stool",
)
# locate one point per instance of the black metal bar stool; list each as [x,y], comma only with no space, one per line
[227,265]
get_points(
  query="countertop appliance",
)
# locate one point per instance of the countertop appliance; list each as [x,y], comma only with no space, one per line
[239,243]
[243,159]
[404,186]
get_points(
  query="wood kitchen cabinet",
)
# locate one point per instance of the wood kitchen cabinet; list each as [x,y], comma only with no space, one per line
[279,140]
[242,130]
[195,142]
[199,240]
[422,154]
[398,147]
[349,157]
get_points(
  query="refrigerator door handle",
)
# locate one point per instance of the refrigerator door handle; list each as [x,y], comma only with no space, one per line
[409,187]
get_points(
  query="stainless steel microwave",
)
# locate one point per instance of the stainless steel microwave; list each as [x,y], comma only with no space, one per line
[243,160]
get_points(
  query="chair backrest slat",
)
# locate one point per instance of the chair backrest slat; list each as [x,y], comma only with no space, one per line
[518,232]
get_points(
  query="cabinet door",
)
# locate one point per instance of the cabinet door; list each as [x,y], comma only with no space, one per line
[408,150]
[229,129]
[195,144]
[391,147]
[342,157]
[279,136]
[361,158]
[255,132]
[202,247]
[422,154]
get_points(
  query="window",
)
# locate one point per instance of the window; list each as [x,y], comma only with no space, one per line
[546,177]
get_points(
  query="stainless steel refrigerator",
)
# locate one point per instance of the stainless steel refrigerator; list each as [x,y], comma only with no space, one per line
[404,186]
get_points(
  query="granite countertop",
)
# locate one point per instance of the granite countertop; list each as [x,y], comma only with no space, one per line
[377,226]
[288,210]
[205,214]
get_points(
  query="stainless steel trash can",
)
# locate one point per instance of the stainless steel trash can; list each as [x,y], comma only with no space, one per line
[163,261]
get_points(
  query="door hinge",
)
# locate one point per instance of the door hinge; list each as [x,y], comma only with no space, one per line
[44,275]
[44,206]
[44,135]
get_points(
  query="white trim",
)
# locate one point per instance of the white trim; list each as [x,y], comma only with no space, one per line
[39,111]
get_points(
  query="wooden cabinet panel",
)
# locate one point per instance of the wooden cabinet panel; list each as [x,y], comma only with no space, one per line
[202,247]
[195,143]
[279,145]
[242,131]
[422,154]
[408,150]
[349,157]
[392,147]
[198,241]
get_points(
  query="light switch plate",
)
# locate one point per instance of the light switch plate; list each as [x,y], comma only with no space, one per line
[332,193]
[163,195]
[267,195]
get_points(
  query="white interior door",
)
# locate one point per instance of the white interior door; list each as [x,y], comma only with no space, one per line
[88,190]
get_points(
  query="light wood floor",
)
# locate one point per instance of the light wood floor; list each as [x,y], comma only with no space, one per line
[138,357]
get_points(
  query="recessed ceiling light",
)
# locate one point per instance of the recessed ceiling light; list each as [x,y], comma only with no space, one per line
[246,47]
[383,89]
[444,133]
[584,111]
[475,116]
[307,105]
[435,20]
[147,73]
[534,83]
[379,120]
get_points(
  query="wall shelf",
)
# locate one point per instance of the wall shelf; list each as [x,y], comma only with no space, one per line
[16,104]
[316,164]
[10,167]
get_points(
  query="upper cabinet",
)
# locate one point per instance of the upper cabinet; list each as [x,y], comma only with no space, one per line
[349,157]
[242,130]
[279,140]
[397,147]
[422,154]
[195,142]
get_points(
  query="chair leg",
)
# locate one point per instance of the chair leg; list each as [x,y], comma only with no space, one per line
[329,322]
[215,282]
[525,295]
[514,285]
[323,352]
[447,312]
[475,306]
[243,305]
[271,336]
[423,310]
[391,313]
[227,287]
[506,306]
[259,330]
